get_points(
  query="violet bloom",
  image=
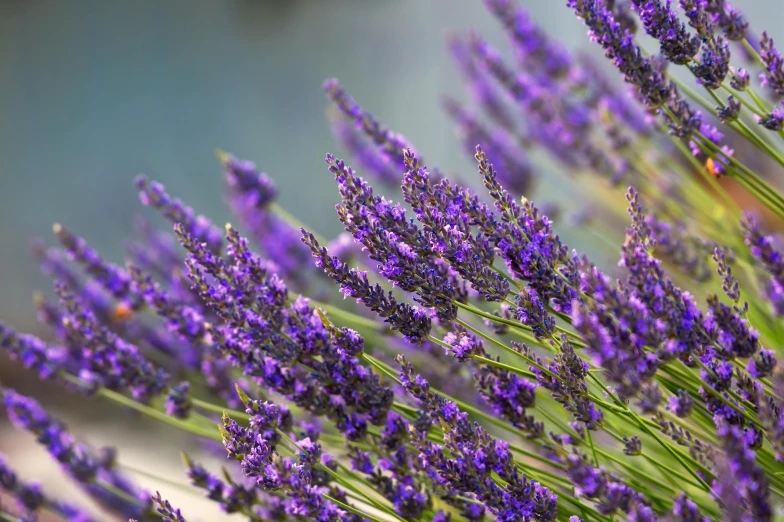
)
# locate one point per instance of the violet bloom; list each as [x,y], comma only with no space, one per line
[107,359]
[673,313]
[652,86]
[474,456]
[285,345]
[412,322]
[113,278]
[447,214]
[298,476]
[153,194]
[515,170]
[84,466]
[231,496]
[403,254]
[533,253]
[398,473]
[251,196]
[685,510]
[681,404]
[566,381]
[34,354]
[773,76]
[509,395]
[555,121]
[166,511]
[481,88]
[714,65]
[769,258]
[774,120]
[368,156]
[390,144]
[155,252]
[661,22]
[727,18]
[610,493]
[30,497]
[677,245]
[531,44]
[742,481]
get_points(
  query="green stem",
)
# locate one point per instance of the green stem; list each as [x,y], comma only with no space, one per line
[353,509]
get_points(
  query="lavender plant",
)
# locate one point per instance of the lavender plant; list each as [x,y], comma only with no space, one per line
[482,370]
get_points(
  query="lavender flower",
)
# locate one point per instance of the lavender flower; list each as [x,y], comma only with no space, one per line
[773,76]
[477,455]
[514,169]
[31,498]
[251,197]
[389,143]
[232,497]
[660,22]
[107,359]
[444,212]
[165,509]
[643,73]
[114,279]
[153,194]
[728,18]
[761,247]
[76,459]
[744,482]
[404,257]
[412,322]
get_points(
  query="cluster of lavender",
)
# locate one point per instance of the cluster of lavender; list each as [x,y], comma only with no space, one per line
[483,370]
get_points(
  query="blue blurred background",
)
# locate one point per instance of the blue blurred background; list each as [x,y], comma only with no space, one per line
[93,92]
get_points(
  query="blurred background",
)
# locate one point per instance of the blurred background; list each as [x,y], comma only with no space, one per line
[94,92]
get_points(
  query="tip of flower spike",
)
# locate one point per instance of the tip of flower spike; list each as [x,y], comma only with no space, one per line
[186,459]
[241,394]
[141,181]
[222,155]
[228,227]
[330,84]
[324,319]
[57,228]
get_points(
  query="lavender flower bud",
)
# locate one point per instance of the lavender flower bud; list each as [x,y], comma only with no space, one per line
[153,194]
[178,401]
[681,404]
[740,79]
[412,322]
[774,120]
[761,247]
[632,446]
[773,76]
[660,22]
[731,112]
[165,509]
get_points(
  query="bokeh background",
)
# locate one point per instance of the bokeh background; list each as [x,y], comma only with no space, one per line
[93,92]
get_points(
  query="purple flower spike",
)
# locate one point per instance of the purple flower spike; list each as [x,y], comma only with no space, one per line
[770,259]
[84,466]
[153,194]
[661,22]
[773,76]
[474,456]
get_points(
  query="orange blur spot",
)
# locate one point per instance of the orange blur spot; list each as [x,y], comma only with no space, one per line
[122,311]
[711,165]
